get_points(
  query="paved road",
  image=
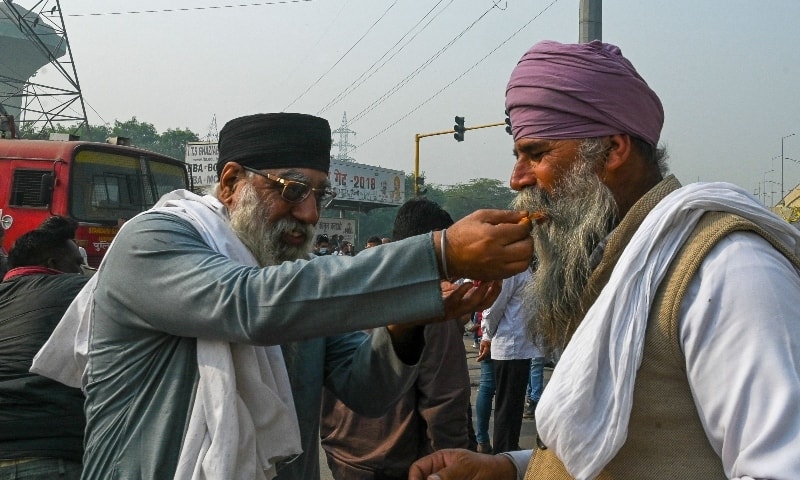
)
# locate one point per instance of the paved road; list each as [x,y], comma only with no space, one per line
[527,437]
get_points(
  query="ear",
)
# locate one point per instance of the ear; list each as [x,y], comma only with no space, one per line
[51,262]
[619,152]
[232,172]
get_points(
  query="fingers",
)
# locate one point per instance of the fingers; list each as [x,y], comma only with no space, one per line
[484,351]
[451,464]
[426,467]
[497,217]
[488,245]
[492,291]
[468,298]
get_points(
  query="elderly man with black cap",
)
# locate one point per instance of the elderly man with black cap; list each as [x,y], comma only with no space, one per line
[175,339]
[677,305]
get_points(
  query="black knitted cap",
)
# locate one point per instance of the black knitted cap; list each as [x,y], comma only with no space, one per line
[276,140]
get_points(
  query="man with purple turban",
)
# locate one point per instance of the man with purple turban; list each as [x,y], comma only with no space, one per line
[675,305]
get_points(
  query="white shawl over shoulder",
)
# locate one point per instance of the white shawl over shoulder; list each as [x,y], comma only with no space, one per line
[584,411]
[243,420]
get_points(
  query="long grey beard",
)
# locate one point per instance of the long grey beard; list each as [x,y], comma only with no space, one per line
[264,239]
[581,211]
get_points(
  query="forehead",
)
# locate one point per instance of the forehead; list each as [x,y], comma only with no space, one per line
[528,144]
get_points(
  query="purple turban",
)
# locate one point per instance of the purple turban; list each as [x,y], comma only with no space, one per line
[568,91]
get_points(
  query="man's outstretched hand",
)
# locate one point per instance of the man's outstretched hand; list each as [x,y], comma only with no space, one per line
[460,464]
[487,245]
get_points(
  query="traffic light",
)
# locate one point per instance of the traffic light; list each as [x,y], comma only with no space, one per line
[419,186]
[459,128]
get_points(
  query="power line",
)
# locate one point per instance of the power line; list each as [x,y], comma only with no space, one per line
[369,72]
[342,57]
[523,27]
[418,70]
[290,74]
[188,9]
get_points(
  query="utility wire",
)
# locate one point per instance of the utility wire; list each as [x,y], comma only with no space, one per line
[313,48]
[369,72]
[458,77]
[342,57]
[418,70]
[188,9]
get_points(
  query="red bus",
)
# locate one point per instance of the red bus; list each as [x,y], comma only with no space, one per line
[98,184]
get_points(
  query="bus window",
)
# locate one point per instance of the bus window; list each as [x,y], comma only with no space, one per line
[108,186]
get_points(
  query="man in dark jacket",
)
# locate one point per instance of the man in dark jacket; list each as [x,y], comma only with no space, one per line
[41,420]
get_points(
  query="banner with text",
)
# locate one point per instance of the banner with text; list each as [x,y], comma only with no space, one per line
[351,181]
[201,163]
[346,227]
[363,183]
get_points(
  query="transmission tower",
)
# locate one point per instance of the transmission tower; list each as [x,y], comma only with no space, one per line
[29,40]
[213,133]
[344,144]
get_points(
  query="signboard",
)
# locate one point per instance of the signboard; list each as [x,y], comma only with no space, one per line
[201,163]
[352,182]
[345,227]
[363,183]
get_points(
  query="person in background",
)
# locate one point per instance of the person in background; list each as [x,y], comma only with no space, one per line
[321,247]
[486,392]
[385,240]
[533,392]
[431,415]
[347,249]
[677,304]
[66,224]
[42,421]
[228,329]
[506,342]
[373,242]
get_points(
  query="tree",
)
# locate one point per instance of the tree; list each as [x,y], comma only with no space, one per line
[173,142]
[464,198]
[142,134]
[459,200]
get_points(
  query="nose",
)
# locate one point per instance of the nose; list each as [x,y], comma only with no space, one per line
[522,175]
[307,210]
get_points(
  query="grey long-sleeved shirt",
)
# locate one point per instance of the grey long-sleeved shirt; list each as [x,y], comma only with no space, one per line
[161,287]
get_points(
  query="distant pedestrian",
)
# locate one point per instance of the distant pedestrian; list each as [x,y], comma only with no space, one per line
[506,341]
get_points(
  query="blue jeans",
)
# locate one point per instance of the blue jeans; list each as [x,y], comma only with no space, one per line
[535,384]
[483,402]
[42,469]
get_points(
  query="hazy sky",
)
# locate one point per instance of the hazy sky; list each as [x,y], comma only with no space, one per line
[727,72]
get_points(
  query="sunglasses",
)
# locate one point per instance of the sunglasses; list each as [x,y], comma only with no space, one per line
[294,191]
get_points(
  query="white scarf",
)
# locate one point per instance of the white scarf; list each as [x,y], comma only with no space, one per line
[584,411]
[243,420]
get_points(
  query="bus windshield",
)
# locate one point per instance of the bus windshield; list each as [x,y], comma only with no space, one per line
[107,187]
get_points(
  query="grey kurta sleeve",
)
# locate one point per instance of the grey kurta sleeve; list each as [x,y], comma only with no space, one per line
[193,291]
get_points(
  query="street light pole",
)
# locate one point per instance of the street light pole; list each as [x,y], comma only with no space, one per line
[419,136]
[783,192]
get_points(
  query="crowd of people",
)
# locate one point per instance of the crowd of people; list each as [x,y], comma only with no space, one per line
[337,245]
[209,344]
